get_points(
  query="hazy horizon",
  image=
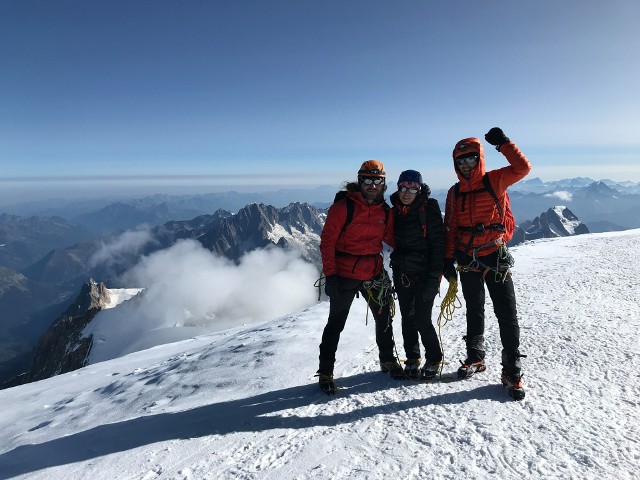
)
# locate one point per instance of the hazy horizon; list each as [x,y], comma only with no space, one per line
[20,190]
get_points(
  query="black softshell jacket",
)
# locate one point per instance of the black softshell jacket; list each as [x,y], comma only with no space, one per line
[419,249]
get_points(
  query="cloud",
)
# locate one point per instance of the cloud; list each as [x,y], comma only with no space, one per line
[189,291]
[561,194]
[115,250]
[187,285]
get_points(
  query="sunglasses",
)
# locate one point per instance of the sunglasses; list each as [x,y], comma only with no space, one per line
[408,189]
[370,181]
[468,160]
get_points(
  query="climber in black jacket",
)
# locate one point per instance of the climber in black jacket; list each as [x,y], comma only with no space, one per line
[417,268]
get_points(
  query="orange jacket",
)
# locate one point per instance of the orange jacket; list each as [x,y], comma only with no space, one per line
[480,207]
[356,251]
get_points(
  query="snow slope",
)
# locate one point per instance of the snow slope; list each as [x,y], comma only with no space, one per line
[243,403]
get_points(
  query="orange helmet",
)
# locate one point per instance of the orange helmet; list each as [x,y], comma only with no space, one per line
[372,168]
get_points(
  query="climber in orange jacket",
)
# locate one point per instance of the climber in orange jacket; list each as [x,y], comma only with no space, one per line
[474,238]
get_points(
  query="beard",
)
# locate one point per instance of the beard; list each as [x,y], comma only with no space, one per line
[372,195]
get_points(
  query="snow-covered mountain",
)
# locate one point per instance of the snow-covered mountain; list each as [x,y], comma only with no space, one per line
[243,402]
[558,221]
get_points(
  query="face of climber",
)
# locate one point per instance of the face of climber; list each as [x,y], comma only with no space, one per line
[467,164]
[407,192]
[372,188]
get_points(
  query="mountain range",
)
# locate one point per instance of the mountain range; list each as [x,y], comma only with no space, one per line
[602,205]
[34,292]
[31,299]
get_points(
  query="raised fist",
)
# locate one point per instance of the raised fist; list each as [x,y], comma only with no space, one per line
[496,137]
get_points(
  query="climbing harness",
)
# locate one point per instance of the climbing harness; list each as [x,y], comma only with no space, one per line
[503,265]
[380,291]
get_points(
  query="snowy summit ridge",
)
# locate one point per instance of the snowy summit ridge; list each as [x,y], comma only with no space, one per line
[243,403]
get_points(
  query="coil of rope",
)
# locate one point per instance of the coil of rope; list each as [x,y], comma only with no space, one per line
[449,304]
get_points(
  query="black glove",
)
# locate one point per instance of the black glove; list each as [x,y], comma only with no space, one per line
[496,137]
[449,270]
[331,286]
[433,285]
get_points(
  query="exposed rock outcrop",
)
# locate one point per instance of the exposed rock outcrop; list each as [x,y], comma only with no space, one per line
[62,348]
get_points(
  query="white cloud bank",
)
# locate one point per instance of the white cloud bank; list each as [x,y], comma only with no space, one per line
[190,291]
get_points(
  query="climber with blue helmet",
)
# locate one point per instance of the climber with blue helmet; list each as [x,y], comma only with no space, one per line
[417,267]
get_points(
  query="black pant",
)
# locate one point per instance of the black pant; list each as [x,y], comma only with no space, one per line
[503,298]
[416,294]
[339,310]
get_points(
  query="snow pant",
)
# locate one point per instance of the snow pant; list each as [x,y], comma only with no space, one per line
[416,294]
[339,311]
[503,298]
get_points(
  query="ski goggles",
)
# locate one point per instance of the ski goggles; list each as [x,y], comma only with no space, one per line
[467,159]
[372,181]
[404,189]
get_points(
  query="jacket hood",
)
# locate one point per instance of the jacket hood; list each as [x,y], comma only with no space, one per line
[470,145]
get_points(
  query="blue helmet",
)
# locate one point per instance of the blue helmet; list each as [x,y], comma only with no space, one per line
[410,176]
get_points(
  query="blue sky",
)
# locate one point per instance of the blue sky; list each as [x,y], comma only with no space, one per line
[301,92]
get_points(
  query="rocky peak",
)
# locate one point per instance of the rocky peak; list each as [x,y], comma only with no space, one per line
[558,221]
[92,295]
[62,348]
[258,225]
[302,216]
[601,189]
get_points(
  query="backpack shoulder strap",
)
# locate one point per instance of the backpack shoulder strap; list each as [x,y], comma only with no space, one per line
[487,185]
[350,209]
[422,214]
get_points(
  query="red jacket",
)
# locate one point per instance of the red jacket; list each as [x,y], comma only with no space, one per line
[356,251]
[480,207]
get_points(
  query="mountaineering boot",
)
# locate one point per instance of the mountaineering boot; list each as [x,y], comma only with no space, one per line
[412,368]
[392,367]
[469,369]
[430,370]
[513,382]
[326,383]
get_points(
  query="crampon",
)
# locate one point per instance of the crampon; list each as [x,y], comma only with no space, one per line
[513,384]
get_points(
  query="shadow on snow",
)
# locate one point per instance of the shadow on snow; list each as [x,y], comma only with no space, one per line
[254,414]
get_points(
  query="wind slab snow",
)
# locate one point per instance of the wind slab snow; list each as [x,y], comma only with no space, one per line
[243,403]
